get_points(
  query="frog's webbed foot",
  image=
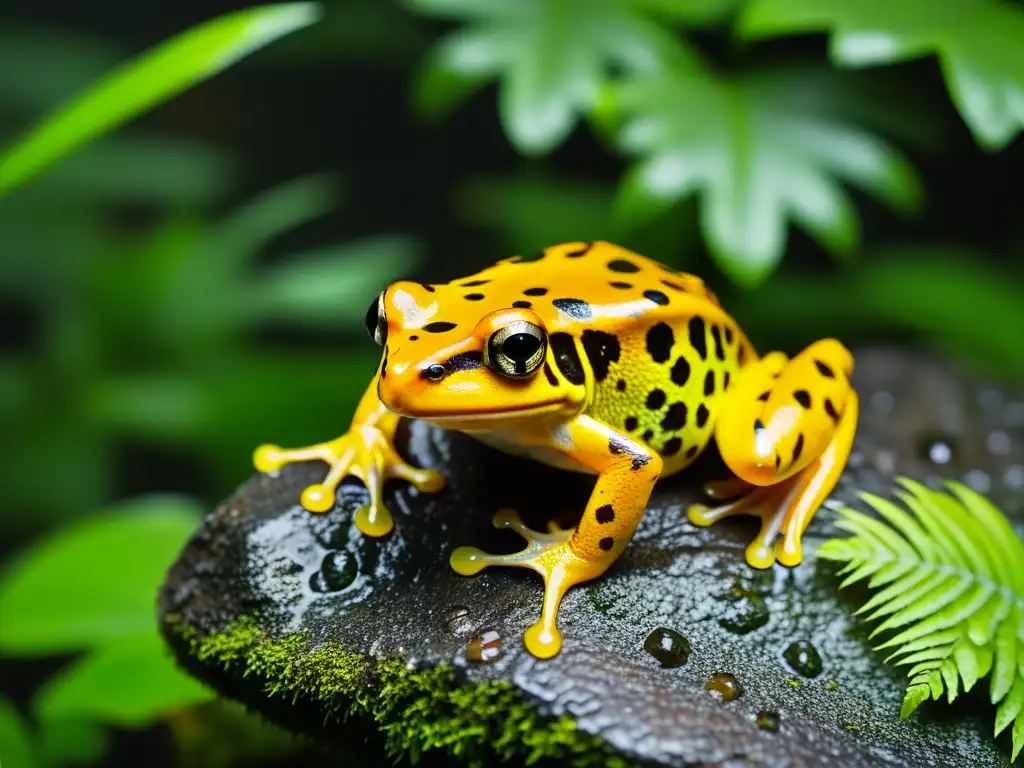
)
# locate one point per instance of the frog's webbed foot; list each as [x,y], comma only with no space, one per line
[769,505]
[364,452]
[549,555]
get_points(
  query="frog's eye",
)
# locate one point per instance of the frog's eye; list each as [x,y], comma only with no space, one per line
[516,350]
[376,321]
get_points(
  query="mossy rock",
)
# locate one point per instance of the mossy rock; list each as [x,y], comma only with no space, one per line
[358,641]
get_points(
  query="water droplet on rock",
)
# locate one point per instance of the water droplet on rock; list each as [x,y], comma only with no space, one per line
[484,647]
[768,721]
[746,621]
[456,619]
[339,570]
[726,685]
[803,658]
[938,449]
[668,647]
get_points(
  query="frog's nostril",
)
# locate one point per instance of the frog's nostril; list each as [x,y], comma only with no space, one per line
[434,372]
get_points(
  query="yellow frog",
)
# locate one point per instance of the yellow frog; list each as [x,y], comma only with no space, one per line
[595,359]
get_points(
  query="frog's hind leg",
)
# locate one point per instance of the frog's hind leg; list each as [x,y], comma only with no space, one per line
[787,427]
[626,474]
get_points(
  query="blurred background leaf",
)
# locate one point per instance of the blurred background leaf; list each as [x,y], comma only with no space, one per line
[130,682]
[978,45]
[15,740]
[545,84]
[765,152]
[95,581]
[157,75]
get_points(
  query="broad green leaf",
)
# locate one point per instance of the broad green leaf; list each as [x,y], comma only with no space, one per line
[550,56]
[959,304]
[94,581]
[436,91]
[130,682]
[139,170]
[531,211]
[329,288]
[65,742]
[238,238]
[768,149]
[960,536]
[166,408]
[978,43]
[194,273]
[15,739]
[691,12]
[155,76]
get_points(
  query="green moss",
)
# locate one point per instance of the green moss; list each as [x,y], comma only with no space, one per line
[416,710]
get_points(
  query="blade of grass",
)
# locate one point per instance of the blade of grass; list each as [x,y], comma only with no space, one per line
[155,76]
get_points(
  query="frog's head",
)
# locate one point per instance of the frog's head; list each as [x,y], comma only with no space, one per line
[451,360]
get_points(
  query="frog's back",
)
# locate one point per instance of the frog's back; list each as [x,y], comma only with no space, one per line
[660,347]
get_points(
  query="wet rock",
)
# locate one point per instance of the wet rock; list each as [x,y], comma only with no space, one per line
[308,622]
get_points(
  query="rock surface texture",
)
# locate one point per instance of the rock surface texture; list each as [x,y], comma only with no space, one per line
[681,655]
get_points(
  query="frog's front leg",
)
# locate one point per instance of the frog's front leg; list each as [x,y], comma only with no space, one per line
[786,427]
[367,452]
[626,473]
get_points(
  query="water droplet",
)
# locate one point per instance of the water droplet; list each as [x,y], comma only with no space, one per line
[726,685]
[668,646]
[937,449]
[744,622]
[998,443]
[484,647]
[803,658]
[768,721]
[338,570]
[456,620]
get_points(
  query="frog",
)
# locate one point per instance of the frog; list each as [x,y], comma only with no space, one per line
[594,359]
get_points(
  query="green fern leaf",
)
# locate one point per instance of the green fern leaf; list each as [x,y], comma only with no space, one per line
[947,570]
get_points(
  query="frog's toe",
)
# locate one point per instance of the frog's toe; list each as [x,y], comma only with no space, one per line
[317,498]
[760,554]
[374,519]
[510,519]
[425,480]
[543,639]
[469,561]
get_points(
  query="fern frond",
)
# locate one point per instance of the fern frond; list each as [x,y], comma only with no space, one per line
[949,570]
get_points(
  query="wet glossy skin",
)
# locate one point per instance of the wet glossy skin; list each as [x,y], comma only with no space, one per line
[598,360]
